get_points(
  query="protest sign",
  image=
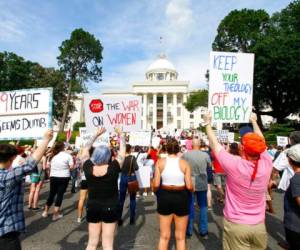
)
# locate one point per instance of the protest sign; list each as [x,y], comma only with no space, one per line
[155,142]
[85,137]
[140,138]
[111,112]
[78,142]
[282,141]
[230,137]
[230,86]
[25,114]
[222,135]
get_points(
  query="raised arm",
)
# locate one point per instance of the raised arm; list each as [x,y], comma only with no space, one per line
[122,147]
[39,152]
[213,141]
[86,150]
[256,129]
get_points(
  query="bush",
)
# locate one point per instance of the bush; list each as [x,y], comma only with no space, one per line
[63,135]
[278,130]
[78,125]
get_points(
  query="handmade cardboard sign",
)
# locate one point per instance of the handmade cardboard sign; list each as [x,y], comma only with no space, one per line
[222,135]
[85,137]
[25,113]
[111,112]
[230,86]
[282,141]
[140,138]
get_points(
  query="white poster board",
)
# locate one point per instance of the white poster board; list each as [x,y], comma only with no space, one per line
[143,176]
[140,138]
[155,142]
[230,86]
[222,135]
[282,141]
[78,142]
[25,114]
[85,137]
[111,112]
[230,137]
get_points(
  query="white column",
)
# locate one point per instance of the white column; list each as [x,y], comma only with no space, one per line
[184,119]
[145,108]
[165,110]
[175,110]
[154,122]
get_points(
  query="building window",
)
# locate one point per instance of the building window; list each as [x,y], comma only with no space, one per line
[191,124]
[179,124]
[160,76]
[178,111]
[169,99]
[179,99]
[191,116]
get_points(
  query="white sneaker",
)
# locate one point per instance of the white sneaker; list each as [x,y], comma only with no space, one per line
[152,193]
[79,220]
[57,217]
[44,214]
[145,194]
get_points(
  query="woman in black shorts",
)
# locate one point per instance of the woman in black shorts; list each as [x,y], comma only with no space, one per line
[102,180]
[173,177]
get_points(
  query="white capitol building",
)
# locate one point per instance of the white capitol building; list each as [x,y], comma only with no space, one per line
[162,95]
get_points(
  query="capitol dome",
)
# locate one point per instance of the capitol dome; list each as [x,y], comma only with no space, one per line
[161,69]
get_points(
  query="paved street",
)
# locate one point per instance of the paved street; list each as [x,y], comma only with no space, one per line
[67,234]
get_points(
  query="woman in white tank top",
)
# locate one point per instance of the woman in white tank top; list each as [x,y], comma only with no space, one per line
[173,179]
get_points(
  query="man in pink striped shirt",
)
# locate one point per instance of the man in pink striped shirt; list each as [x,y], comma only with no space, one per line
[246,185]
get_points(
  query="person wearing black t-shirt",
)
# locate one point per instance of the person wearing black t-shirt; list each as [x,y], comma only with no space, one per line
[129,167]
[292,201]
[102,180]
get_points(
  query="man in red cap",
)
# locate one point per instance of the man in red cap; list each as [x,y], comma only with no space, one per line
[247,177]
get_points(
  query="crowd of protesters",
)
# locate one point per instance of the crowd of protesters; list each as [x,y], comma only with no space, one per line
[181,176]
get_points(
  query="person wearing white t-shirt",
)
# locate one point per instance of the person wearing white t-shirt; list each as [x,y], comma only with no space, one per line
[281,164]
[149,163]
[60,166]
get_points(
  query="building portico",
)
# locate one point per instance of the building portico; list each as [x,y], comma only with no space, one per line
[163,98]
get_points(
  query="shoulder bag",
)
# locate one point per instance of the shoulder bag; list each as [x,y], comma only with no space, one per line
[133,185]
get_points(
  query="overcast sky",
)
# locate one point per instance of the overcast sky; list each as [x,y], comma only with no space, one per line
[129,31]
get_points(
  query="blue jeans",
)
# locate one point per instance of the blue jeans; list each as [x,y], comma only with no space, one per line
[202,203]
[122,196]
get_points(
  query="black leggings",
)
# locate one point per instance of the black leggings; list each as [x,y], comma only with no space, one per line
[58,186]
[293,238]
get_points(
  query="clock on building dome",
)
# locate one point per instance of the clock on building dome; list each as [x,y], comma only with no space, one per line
[161,70]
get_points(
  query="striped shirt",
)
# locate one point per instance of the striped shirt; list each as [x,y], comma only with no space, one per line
[12,196]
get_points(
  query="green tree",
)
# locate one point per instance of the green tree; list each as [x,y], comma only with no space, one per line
[80,58]
[197,99]
[18,73]
[50,77]
[240,30]
[275,42]
[14,71]
[277,67]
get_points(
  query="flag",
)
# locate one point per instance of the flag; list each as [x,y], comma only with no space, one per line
[68,135]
